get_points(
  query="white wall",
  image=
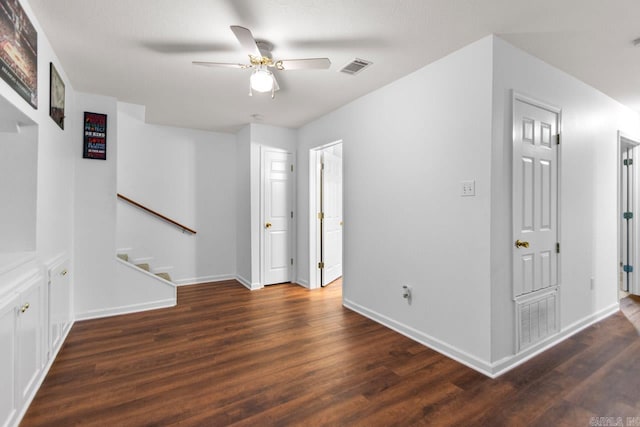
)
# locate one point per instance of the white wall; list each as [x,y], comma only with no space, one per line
[18,189]
[406,148]
[186,175]
[588,203]
[96,289]
[243,206]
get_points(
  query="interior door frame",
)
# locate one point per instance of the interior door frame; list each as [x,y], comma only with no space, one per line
[315,156]
[625,140]
[292,222]
[518,96]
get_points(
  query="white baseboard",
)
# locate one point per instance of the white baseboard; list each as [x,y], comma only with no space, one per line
[441,347]
[303,283]
[492,370]
[247,284]
[126,309]
[203,279]
[510,362]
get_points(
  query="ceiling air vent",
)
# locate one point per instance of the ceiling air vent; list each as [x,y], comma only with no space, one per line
[355,66]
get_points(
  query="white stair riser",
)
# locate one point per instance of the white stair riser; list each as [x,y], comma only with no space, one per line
[141,260]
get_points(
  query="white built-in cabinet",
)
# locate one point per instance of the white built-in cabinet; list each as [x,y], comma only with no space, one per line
[35,315]
[30,328]
[8,321]
[60,314]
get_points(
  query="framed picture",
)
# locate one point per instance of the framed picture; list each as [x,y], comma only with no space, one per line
[95,136]
[18,51]
[56,96]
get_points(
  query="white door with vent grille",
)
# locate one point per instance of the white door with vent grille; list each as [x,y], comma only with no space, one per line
[535,196]
[277,215]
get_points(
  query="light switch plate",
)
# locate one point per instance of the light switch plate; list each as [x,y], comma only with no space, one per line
[468,188]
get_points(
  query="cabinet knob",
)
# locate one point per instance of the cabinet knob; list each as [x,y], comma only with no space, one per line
[63,272]
[25,307]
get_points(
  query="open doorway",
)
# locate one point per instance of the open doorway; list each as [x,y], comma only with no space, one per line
[326,222]
[627,215]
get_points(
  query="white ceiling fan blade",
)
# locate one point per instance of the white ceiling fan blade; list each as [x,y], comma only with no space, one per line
[303,64]
[246,40]
[220,64]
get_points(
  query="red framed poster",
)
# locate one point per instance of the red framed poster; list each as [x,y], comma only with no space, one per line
[95,136]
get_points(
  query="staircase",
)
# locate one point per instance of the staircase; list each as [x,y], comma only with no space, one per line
[144,264]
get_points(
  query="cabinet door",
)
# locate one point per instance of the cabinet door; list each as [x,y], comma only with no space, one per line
[8,401]
[29,337]
[59,304]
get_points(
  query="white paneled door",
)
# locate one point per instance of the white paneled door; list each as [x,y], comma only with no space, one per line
[277,216]
[535,196]
[332,216]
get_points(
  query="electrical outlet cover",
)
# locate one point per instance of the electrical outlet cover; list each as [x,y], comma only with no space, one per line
[468,188]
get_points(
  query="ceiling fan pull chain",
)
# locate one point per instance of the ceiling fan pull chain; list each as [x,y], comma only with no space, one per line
[250,90]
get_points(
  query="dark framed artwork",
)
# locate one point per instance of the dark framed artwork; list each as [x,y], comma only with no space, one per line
[56,96]
[18,51]
[95,136]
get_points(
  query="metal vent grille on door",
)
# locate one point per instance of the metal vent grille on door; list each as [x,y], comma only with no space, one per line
[537,318]
[355,66]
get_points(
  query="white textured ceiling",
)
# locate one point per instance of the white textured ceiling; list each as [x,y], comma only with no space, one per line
[140,51]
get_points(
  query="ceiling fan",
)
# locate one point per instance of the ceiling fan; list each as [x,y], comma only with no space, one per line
[262,79]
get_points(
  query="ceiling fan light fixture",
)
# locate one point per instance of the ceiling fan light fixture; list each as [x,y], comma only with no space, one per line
[261,80]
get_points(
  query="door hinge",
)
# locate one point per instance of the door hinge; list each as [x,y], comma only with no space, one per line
[291,214]
[558,247]
[321,265]
[291,261]
[291,168]
[627,215]
[558,138]
[320,216]
[628,162]
[628,268]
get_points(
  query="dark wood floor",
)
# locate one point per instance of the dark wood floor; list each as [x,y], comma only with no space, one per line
[287,356]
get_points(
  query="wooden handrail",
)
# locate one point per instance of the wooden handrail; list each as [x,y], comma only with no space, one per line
[159,215]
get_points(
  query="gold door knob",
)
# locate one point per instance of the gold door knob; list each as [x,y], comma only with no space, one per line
[521,244]
[267,225]
[24,307]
